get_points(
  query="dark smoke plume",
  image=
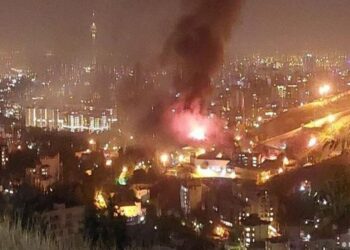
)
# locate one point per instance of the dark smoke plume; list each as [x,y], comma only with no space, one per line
[196,46]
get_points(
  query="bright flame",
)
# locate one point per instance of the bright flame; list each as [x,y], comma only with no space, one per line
[264,177]
[192,125]
[100,201]
[220,231]
[198,134]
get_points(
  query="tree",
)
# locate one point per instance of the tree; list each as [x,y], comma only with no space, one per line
[337,192]
[104,229]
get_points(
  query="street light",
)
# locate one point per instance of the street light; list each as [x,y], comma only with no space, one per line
[324,89]
[312,142]
[164,158]
[181,158]
[330,118]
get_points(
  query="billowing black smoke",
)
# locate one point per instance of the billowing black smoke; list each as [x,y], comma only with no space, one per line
[195,49]
[196,46]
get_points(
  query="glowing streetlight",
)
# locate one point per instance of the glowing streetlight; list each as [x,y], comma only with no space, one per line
[312,142]
[330,118]
[109,162]
[181,158]
[324,89]
[164,158]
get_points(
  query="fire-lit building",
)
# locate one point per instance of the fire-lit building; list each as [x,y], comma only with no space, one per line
[142,192]
[132,210]
[245,159]
[213,164]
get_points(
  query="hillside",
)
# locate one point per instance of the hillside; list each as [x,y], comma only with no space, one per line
[296,117]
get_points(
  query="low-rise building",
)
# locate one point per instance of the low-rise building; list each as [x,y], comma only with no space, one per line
[343,240]
[245,159]
[46,172]
[4,151]
[65,223]
[213,165]
[256,230]
[276,244]
[132,210]
[142,192]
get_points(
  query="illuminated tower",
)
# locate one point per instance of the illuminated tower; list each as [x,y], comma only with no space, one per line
[93,30]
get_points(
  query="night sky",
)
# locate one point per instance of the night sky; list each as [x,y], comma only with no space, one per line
[137,29]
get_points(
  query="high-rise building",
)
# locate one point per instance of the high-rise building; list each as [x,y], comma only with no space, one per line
[4,150]
[46,118]
[255,230]
[74,121]
[191,196]
[309,63]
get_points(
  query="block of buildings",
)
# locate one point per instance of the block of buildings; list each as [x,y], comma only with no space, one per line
[46,172]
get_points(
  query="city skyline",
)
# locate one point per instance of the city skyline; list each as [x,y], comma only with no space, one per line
[136,30]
